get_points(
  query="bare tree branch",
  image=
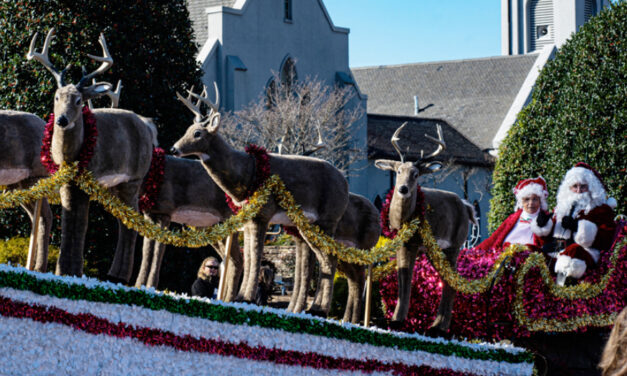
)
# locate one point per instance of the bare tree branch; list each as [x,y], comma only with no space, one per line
[292,114]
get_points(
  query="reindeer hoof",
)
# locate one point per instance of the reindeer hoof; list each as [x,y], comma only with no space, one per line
[114,280]
[317,313]
[436,332]
[395,325]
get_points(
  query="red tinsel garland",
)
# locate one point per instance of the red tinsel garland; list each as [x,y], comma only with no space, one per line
[385,211]
[475,317]
[87,149]
[152,184]
[262,172]
[89,323]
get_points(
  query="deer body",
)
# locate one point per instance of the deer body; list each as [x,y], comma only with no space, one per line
[358,227]
[20,167]
[187,196]
[121,159]
[447,214]
[319,188]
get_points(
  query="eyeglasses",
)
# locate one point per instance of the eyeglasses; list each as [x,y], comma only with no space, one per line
[212,267]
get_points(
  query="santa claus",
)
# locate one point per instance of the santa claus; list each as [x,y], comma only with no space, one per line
[582,223]
[531,197]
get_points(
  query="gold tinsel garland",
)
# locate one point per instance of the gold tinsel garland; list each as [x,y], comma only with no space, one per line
[192,237]
[48,187]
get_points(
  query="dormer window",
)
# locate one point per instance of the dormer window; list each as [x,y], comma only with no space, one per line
[287,14]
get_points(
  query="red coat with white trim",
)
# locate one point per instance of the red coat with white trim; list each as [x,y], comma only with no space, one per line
[496,240]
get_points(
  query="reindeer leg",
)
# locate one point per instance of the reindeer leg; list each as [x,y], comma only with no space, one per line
[257,236]
[447,300]
[157,257]
[148,252]
[43,232]
[236,265]
[328,263]
[306,264]
[405,260]
[247,258]
[297,275]
[74,218]
[355,279]
[122,265]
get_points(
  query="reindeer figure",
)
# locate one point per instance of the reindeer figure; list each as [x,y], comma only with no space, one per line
[121,159]
[319,188]
[20,167]
[448,216]
[188,196]
[359,227]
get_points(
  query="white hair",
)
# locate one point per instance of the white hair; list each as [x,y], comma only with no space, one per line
[596,193]
[532,189]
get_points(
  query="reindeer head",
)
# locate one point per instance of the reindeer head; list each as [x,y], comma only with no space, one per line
[69,99]
[404,198]
[198,136]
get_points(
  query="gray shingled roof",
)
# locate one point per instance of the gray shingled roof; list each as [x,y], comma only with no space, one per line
[198,16]
[458,148]
[472,95]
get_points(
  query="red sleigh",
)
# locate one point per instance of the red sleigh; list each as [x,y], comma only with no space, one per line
[520,303]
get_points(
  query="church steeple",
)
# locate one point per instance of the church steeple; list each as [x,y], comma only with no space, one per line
[527,26]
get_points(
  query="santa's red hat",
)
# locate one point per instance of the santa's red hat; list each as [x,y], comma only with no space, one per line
[527,187]
[583,172]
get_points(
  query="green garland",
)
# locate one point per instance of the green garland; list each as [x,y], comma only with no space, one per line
[238,316]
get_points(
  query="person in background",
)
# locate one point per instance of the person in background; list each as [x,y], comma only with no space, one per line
[206,285]
[531,197]
[583,222]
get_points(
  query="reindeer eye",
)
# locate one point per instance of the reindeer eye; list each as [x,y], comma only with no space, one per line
[56,98]
[415,174]
[197,134]
[78,101]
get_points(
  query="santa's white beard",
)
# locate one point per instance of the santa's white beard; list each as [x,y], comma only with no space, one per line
[568,199]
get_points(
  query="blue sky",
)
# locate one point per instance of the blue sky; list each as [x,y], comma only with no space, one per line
[387,32]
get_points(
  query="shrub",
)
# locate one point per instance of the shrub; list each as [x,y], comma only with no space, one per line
[578,112]
[15,251]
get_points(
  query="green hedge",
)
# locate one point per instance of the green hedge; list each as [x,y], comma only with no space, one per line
[578,112]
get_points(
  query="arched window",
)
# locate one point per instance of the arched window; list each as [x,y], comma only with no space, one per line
[287,76]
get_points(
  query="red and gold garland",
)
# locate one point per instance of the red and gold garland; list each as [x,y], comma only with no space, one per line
[152,184]
[262,172]
[385,211]
[87,149]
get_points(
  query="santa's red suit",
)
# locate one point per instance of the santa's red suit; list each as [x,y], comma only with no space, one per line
[594,216]
[517,223]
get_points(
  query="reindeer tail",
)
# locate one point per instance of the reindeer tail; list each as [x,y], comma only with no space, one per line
[471,212]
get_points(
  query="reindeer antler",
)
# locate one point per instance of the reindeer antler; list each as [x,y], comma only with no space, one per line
[395,140]
[205,98]
[194,108]
[439,141]
[42,57]
[106,59]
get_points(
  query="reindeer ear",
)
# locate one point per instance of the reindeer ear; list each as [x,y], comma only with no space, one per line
[96,90]
[214,123]
[386,164]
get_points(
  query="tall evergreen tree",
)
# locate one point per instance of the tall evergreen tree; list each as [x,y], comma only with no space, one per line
[151,42]
[578,112]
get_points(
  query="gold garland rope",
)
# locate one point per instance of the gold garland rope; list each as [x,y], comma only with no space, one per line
[192,237]
[47,187]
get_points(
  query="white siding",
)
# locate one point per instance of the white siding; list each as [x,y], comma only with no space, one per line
[540,14]
[589,9]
